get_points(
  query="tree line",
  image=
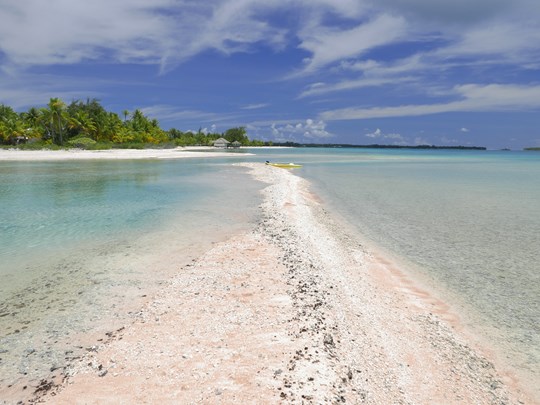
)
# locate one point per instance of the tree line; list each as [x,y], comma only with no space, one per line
[87,124]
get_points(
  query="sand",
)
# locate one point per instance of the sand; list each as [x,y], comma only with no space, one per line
[114,154]
[294,311]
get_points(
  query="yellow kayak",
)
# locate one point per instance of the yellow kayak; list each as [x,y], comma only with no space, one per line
[284,165]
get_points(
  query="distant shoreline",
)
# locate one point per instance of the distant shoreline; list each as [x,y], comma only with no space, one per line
[376,146]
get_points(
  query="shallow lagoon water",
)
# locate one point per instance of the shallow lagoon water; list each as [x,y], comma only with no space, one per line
[467,221]
[82,244]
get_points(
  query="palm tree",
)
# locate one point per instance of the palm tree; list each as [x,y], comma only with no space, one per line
[83,123]
[11,128]
[31,116]
[32,121]
[113,124]
[126,113]
[54,117]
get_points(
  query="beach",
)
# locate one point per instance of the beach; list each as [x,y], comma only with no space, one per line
[295,310]
[114,154]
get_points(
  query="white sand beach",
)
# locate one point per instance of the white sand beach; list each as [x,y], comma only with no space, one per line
[115,154]
[294,311]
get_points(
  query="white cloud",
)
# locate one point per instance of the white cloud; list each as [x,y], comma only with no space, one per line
[330,45]
[472,97]
[486,34]
[160,32]
[309,129]
[210,130]
[394,138]
[464,129]
[375,134]
[254,106]
[171,113]
[377,74]
[165,32]
[320,88]
[64,31]
[503,42]
[462,12]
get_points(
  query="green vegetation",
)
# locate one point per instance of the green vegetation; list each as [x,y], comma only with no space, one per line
[87,125]
[535,148]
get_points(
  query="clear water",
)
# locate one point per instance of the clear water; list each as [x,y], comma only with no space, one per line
[469,220]
[82,243]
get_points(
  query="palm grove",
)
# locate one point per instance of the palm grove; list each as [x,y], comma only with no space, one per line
[86,124]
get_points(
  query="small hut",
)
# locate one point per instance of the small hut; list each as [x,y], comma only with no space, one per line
[236,144]
[221,143]
[18,140]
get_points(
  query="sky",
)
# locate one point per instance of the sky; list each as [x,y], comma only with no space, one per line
[404,72]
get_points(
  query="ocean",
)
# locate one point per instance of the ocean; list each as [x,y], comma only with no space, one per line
[83,243]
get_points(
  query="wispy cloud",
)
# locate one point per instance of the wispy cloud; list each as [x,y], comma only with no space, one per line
[444,41]
[161,32]
[330,45]
[254,106]
[171,113]
[323,88]
[473,97]
[62,31]
[166,32]
[501,42]
[462,13]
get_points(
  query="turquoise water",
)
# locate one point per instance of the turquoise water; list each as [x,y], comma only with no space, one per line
[82,243]
[51,205]
[468,220]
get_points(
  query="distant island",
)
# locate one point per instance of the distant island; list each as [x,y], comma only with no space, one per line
[374,146]
[533,148]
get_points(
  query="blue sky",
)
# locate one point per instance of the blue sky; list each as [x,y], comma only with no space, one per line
[460,72]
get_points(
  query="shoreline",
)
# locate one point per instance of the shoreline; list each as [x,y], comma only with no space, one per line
[113,154]
[293,311]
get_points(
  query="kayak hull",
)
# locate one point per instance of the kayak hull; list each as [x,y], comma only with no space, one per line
[284,165]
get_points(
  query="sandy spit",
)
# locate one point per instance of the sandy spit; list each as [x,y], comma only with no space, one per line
[294,311]
[114,154]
